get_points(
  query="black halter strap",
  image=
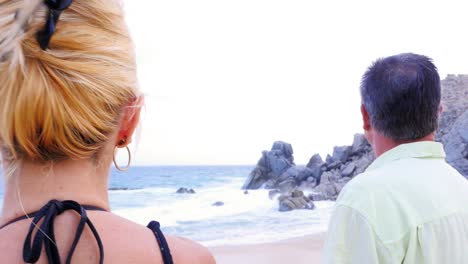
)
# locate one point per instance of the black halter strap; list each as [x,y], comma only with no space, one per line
[45,233]
[163,245]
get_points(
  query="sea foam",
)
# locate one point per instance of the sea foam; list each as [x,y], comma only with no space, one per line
[243,219]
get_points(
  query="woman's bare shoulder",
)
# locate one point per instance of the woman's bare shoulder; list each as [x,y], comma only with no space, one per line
[187,251]
[184,251]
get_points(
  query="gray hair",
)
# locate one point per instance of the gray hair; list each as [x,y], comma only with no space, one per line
[401,93]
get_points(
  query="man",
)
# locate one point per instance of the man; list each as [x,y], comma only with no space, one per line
[409,206]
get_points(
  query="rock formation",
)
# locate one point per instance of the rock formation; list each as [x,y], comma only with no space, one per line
[456,144]
[453,126]
[185,190]
[218,203]
[345,163]
[324,179]
[271,166]
[295,200]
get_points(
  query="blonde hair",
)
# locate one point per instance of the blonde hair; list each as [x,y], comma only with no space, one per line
[63,102]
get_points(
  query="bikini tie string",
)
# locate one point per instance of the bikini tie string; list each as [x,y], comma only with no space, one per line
[55,9]
[45,234]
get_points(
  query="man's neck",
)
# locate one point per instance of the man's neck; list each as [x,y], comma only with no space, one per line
[382,144]
[33,185]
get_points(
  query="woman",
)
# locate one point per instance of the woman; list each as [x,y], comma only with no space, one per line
[68,101]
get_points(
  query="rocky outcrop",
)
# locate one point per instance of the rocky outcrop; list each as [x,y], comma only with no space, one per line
[276,170]
[456,144]
[454,102]
[345,163]
[453,125]
[272,167]
[218,203]
[185,190]
[324,180]
[294,201]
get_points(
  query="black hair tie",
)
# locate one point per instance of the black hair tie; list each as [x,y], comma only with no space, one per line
[55,9]
[45,234]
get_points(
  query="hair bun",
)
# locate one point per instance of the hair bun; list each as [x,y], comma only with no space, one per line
[66,102]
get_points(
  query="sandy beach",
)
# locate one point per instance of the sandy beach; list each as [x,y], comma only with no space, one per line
[299,250]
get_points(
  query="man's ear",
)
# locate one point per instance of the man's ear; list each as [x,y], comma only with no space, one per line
[441,109]
[129,122]
[365,118]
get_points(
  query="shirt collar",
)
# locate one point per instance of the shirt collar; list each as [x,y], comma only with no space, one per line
[423,149]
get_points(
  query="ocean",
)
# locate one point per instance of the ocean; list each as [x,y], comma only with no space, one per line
[143,194]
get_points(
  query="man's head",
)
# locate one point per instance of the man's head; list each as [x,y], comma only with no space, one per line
[401,98]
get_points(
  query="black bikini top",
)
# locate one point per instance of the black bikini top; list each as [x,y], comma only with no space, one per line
[45,234]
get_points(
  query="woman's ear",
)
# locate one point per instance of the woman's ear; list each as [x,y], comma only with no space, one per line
[129,122]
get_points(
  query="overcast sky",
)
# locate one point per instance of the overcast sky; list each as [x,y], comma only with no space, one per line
[224,79]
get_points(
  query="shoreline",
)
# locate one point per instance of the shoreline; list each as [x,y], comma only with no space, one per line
[298,250]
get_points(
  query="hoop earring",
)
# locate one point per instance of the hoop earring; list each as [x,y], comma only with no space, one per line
[129,160]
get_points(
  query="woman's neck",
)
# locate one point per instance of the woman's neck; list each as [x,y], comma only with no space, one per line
[33,185]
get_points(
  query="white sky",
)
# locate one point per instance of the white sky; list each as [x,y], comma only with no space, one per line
[224,79]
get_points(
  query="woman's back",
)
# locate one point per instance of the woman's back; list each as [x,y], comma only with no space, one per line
[123,241]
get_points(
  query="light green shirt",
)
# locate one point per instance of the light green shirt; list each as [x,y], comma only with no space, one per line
[409,206]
